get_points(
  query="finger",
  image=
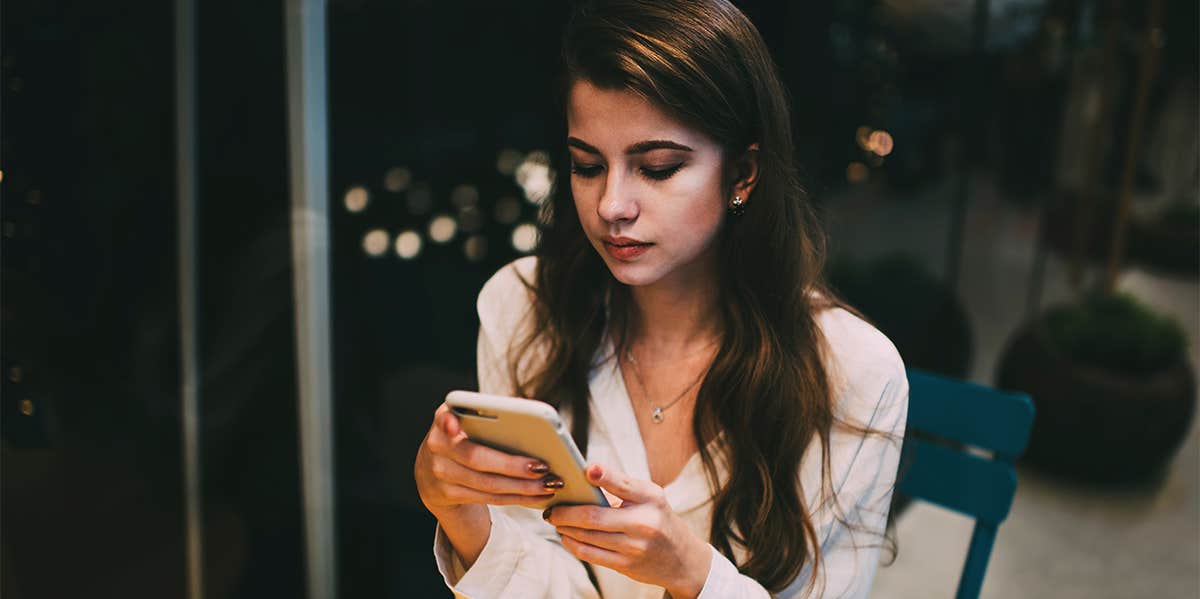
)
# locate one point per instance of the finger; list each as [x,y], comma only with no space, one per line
[452,426]
[612,541]
[592,518]
[622,485]
[485,459]
[445,424]
[595,555]
[460,494]
[452,472]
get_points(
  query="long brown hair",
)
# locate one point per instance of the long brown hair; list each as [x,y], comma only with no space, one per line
[767,390]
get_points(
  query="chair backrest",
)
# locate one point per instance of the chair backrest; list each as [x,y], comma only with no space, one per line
[960,444]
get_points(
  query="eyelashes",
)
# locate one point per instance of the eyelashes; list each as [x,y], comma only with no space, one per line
[587,172]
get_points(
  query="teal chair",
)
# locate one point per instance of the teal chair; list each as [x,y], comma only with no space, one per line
[948,422]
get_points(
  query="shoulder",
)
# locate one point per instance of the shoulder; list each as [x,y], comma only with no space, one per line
[863,366]
[505,299]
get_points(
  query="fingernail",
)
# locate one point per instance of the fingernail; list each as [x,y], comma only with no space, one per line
[538,468]
[552,482]
[546,513]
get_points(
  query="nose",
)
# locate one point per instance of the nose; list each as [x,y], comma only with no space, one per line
[616,204]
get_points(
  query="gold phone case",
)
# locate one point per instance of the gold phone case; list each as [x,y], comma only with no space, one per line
[529,428]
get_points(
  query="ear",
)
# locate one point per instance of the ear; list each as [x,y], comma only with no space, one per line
[745,173]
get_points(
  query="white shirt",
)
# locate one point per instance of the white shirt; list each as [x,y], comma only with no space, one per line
[524,558]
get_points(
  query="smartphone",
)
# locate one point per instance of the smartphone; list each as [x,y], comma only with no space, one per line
[528,428]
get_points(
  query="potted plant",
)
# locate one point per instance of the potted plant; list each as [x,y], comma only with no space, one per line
[1112,385]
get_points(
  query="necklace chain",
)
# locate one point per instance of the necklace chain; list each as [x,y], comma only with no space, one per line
[656,411]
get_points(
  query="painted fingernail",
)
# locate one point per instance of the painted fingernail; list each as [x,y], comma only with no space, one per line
[538,468]
[546,513]
[552,482]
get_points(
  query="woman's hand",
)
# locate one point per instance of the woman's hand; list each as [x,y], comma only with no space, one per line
[641,537]
[452,471]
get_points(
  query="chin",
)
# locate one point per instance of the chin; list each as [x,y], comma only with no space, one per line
[633,274]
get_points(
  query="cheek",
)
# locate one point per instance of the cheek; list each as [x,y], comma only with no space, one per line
[694,212]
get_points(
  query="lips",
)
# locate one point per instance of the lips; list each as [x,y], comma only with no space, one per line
[624,248]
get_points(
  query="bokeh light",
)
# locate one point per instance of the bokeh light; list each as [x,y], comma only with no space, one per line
[535,176]
[356,198]
[408,244]
[397,179]
[862,136]
[525,237]
[375,242]
[857,172]
[442,228]
[475,248]
[880,143]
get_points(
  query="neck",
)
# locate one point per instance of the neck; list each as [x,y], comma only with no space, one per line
[678,314]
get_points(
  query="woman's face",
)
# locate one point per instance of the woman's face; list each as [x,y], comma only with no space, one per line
[647,188]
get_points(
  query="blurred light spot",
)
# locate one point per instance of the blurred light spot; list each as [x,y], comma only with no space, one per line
[375,242]
[27,407]
[397,179]
[356,198]
[442,228]
[475,248]
[857,172]
[1,175]
[525,237]
[470,219]
[862,136]
[507,161]
[464,195]
[420,199]
[408,244]
[535,176]
[508,210]
[14,374]
[880,143]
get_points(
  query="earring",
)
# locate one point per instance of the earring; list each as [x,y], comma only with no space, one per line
[737,206]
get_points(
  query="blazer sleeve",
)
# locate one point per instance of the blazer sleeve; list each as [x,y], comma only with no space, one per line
[524,557]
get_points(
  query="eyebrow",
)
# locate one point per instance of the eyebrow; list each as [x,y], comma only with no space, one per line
[640,147]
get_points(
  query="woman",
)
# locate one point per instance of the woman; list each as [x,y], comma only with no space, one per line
[745,425]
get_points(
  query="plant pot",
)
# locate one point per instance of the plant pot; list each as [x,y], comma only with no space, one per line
[1093,424]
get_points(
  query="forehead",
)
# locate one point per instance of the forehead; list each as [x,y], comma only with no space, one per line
[611,119]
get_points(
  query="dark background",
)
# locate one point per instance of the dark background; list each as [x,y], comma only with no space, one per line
[92,500]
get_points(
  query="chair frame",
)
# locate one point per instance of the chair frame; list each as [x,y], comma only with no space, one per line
[961,442]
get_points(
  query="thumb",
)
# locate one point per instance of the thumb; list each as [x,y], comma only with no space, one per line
[622,485]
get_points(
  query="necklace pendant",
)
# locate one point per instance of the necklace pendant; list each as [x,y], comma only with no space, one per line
[657,415]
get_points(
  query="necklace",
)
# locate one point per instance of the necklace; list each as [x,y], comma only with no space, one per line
[656,411]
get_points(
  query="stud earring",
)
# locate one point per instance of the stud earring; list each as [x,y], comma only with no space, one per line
[737,206]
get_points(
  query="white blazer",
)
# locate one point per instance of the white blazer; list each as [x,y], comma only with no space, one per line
[524,558]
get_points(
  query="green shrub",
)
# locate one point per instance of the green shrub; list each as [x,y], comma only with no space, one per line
[1116,333]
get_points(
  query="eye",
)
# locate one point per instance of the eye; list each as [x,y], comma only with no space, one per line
[585,171]
[661,174]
